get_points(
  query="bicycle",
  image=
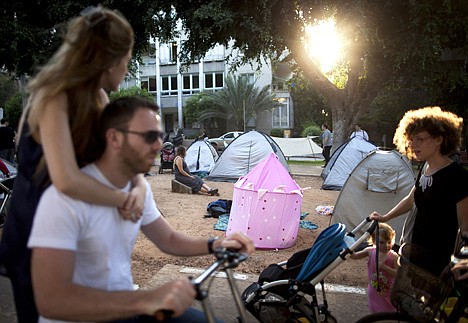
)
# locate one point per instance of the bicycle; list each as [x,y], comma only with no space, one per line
[226,260]
[419,296]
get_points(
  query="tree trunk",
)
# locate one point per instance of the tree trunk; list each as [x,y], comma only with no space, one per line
[22,83]
[347,105]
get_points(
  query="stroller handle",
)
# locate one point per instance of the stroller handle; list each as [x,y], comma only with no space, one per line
[364,222]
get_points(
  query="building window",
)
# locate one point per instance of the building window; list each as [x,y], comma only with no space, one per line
[214,81]
[250,77]
[169,85]
[152,50]
[173,52]
[149,84]
[144,85]
[191,84]
[281,114]
[168,53]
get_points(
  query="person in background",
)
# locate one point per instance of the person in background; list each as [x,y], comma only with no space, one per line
[440,192]
[327,142]
[93,245]
[183,175]
[359,133]
[380,285]
[7,141]
[57,137]
[202,135]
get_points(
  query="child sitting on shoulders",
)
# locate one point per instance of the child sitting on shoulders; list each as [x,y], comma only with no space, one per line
[379,293]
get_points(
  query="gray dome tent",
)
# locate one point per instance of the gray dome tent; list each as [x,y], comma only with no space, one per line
[343,161]
[377,183]
[243,154]
[201,156]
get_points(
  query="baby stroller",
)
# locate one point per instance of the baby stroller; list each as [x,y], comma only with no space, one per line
[167,157]
[285,292]
[7,178]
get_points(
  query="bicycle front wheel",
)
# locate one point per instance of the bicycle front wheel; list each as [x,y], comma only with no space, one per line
[387,318]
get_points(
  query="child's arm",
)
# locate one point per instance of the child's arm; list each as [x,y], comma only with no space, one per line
[360,254]
[392,271]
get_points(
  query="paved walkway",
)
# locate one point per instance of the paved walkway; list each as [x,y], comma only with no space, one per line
[7,308]
[346,303]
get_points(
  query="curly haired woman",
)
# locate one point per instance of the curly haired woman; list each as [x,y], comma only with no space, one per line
[441,191]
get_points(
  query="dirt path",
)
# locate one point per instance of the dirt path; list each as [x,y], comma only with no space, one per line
[185,212]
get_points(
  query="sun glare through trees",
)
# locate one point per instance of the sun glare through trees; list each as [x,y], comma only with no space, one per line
[324,44]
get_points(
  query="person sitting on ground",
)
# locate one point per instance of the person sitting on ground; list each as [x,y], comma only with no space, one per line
[183,175]
[81,252]
[378,291]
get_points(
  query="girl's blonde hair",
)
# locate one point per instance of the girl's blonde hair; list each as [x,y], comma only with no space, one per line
[94,41]
[386,232]
[436,122]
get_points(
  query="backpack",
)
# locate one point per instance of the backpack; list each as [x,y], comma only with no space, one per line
[216,208]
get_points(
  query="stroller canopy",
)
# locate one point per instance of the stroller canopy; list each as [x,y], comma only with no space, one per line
[326,248]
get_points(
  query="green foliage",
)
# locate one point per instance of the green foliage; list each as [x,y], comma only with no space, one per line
[13,109]
[131,91]
[311,130]
[238,102]
[195,105]
[8,88]
[403,44]
[31,30]
[310,108]
[277,132]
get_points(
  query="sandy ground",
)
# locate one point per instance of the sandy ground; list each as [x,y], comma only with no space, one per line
[185,212]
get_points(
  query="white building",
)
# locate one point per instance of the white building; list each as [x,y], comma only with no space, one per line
[160,73]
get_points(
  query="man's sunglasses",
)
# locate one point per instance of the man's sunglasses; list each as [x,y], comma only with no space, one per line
[150,137]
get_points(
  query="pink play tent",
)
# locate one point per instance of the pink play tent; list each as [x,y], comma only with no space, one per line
[266,205]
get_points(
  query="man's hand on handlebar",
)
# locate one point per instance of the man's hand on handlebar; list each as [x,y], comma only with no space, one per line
[173,298]
[236,241]
[460,270]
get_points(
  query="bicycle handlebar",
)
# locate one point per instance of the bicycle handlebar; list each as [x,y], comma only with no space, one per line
[225,258]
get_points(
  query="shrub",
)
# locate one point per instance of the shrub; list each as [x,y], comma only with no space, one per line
[13,109]
[131,91]
[312,130]
[277,132]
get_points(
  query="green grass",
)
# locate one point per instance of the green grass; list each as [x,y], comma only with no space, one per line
[306,162]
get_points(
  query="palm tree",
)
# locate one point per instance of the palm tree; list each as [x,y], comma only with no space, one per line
[239,101]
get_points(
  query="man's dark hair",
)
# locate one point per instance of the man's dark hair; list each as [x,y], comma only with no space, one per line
[4,120]
[118,113]
[325,126]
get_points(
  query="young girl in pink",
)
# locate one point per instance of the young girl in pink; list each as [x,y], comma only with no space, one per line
[379,293]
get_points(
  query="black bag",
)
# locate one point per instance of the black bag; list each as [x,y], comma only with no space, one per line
[219,207]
